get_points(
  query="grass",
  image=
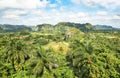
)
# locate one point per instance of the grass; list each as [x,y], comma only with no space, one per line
[39,33]
[58,46]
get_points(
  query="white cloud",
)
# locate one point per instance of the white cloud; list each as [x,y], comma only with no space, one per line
[62,8]
[59,1]
[104,3]
[54,16]
[52,5]
[23,4]
[76,1]
[1,8]
[78,15]
[13,14]
[101,13]
[116,17]
[82,14]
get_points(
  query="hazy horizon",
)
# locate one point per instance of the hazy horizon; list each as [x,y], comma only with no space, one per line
[34,12]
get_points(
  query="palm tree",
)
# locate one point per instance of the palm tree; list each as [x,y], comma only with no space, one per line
[87,63]
[81,58]
[16,53]
[39,61]
[13,55]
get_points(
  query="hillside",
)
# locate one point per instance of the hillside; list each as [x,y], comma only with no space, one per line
[61,26]
[1,29]
[14,28]
[104,27]
[83,27]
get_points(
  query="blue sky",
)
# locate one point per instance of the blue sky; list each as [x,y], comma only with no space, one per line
[33,12]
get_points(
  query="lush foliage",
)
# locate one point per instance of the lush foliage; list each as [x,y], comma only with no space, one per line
[60,52]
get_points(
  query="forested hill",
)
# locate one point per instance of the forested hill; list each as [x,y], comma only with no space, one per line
[83,27]
[105,27]
[1,29]
[86,27]
[13,28]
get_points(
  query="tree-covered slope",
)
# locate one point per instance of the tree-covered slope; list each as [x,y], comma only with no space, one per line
[86,27]
[1,29]
[13,28]
[83,27]
[104,27]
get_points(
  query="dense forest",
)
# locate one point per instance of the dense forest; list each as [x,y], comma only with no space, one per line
[64,50]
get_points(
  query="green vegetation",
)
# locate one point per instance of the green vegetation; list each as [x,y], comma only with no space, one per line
[14,28]
[66,50]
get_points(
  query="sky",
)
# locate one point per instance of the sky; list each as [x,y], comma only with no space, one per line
[33,12]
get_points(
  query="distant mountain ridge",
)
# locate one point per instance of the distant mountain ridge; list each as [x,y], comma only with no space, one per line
[86,27]
[13,28]
[83,27]
[104,27]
